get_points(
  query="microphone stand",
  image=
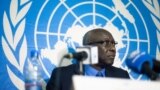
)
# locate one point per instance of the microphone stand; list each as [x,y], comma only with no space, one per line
[80,67]
[80,58]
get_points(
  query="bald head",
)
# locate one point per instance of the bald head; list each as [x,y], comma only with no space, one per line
[105,42]
[96,35]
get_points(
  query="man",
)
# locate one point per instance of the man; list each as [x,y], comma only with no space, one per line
[61,78]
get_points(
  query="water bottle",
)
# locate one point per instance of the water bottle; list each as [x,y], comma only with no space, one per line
[33,71]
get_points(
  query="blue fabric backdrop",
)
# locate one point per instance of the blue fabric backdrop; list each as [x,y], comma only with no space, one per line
[49,25]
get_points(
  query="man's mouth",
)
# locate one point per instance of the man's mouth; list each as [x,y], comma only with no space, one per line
[111,56]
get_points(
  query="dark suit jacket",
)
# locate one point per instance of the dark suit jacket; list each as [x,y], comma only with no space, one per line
[61,78]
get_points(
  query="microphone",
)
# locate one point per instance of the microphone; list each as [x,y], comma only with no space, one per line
[78,55]
[86,54]
[156,65]
[142,63]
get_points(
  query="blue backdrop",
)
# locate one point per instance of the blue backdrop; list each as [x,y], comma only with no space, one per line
[51,26]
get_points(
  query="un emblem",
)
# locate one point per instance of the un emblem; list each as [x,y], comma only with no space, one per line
[68,21]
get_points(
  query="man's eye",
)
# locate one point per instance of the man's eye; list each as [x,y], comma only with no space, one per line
[102,42]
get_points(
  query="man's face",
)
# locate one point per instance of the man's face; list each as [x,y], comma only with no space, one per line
[106,47]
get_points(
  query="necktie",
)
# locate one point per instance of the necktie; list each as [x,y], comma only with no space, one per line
[99,74]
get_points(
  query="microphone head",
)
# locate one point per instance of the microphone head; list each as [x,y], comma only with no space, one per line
[80,56]
[156,65]
[86,54]
[92,54]
[136,60]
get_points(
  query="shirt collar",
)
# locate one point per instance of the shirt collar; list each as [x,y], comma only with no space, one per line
[90,71]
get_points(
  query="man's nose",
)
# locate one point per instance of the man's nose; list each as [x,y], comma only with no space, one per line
[112,48]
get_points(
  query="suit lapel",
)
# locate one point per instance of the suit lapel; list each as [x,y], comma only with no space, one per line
[110,72]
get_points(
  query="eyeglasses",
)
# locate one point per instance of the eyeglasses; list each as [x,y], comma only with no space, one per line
[106,43]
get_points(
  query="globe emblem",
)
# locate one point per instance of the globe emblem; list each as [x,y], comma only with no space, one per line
[66,22]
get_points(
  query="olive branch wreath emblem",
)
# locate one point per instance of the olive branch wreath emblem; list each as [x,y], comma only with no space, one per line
[15,21]
[154,7]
